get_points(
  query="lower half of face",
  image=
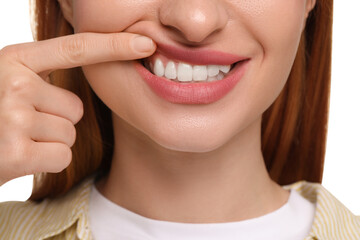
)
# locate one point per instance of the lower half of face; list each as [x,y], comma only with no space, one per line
[266,32]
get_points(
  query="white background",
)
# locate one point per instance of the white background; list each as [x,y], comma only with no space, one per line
[342,164]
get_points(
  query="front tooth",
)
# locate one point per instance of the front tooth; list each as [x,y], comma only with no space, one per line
[159,69]
[213,70]
[170,70]
[185,72]
[200,73]
[225,68]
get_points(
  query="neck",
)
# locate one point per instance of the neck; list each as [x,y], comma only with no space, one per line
[228,184]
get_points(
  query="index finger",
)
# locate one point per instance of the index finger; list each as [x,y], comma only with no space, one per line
[83,49]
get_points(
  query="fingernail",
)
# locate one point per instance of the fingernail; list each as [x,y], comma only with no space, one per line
[143,44]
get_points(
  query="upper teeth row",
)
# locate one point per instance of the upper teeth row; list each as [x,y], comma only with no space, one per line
[186,72]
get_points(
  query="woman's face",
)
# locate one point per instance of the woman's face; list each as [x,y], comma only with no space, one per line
[266,32]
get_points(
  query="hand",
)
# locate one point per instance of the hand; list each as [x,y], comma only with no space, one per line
[36,118]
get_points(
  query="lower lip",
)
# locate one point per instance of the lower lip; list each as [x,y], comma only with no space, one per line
[193,93]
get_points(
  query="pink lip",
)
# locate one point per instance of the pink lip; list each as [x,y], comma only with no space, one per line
[194,93]
[198,56]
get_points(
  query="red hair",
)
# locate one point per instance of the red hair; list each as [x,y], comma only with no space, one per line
[294,128]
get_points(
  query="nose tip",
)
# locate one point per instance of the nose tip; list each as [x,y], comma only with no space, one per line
[194,19]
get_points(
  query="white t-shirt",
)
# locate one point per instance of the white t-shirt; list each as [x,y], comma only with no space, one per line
[110,221]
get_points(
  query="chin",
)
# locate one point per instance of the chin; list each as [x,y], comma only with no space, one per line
[194,142]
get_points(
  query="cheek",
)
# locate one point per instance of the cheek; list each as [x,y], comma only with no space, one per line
[107,15]
[275,24]
[277,27]
[116,92]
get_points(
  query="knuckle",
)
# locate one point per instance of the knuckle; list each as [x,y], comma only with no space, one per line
[19,85]
[22,119]
[10,52]
[19,119]
[73,49]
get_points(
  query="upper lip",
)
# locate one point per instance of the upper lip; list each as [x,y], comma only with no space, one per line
[198,56]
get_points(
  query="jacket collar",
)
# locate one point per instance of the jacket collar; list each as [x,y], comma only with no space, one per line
[71,210]
[332,219]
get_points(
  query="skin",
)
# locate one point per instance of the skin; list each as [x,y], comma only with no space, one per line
[193,163]
[33,130]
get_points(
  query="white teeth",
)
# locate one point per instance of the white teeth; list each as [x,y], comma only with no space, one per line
[200,73]
[187,73]
[225,68]
[170,71]
[213,70]
[159,69]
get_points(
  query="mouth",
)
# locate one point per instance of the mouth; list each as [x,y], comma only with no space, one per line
[183,72]
[184,76]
